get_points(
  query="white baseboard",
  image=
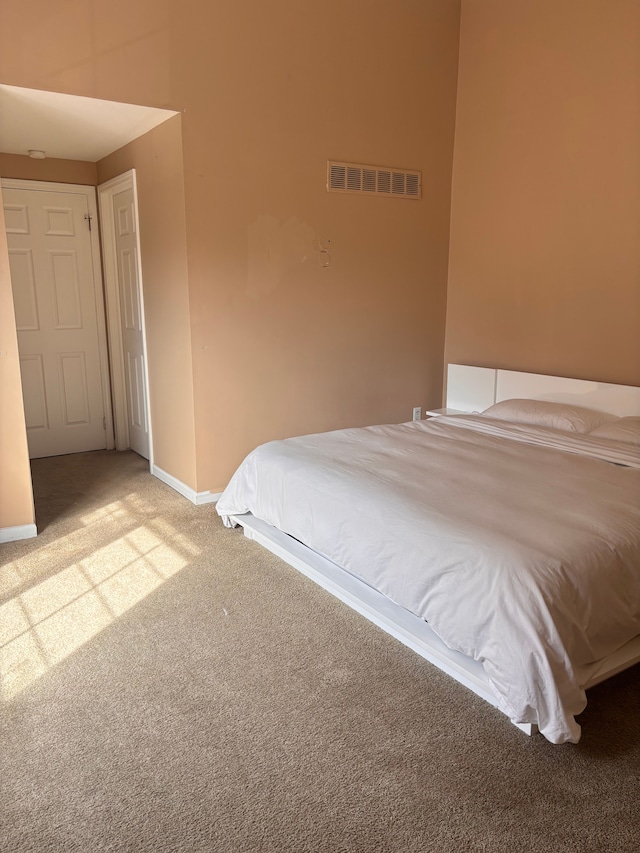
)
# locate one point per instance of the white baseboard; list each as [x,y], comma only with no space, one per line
[207,497]
[187,492]
[22,531]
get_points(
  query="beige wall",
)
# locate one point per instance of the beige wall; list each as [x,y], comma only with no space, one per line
[157,159]
[50,169]
[545,229]
[120,50]
[268,93]
[544,258]
[280,345]
[16,497]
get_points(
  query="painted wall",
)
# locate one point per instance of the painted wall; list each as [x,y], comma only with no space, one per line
[157,159]
[545,230]
[16,496]
[544,257]
[268,93]
[120,50]
[50,169]
[282,346]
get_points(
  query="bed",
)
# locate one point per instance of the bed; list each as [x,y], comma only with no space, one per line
[499,540]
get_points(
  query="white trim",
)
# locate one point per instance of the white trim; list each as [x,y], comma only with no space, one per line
[46,186]
[106,193]
[197,498]
[90,193]
[177,485]
[21,531]
[207,497]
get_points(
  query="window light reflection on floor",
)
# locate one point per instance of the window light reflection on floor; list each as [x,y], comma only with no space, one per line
[44,624]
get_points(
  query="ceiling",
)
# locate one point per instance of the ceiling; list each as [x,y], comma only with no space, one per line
[69,126]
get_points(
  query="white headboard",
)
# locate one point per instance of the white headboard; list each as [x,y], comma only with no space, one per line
[473,389]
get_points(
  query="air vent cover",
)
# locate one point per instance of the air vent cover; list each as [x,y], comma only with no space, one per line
[373,180]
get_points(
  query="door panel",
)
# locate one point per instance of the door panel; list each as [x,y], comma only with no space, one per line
[66,290]
[72,373]
[33,391]
[16,217]
[23,281]
[51,265]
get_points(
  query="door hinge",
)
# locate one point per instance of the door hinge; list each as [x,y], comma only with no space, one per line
[88,217]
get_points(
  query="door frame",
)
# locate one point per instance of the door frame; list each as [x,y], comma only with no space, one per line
[106,194]
[94,235]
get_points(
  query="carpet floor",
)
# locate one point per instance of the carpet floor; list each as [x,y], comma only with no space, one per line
[168,686]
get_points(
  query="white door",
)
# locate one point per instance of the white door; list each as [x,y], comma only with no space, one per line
[54,292]
[126,246]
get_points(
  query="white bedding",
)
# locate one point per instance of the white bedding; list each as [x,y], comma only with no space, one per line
[520,546]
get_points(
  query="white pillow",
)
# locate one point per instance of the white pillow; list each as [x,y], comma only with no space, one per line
[543,413]
[623,429]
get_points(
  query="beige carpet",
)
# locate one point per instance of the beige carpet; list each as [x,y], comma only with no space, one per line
[168,686]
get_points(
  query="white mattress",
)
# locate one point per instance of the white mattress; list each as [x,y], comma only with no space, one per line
[520,546]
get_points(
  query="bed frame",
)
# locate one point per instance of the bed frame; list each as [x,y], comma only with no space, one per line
[469,389]
[472,389]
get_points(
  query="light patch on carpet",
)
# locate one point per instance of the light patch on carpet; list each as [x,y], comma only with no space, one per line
[9,579]
[46,623]
[115,510]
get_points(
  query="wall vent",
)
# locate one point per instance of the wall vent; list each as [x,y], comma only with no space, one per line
[373,180]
